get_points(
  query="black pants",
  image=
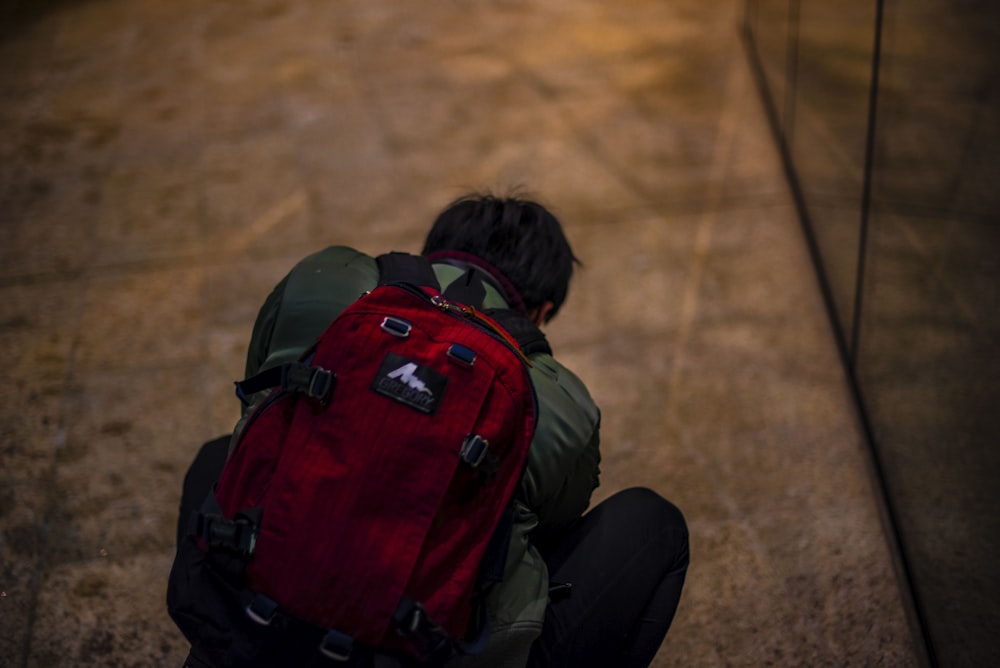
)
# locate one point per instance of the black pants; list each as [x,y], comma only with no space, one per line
[626,560]
[624,563]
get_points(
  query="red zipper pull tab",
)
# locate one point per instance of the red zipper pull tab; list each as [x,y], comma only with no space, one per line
[472,314]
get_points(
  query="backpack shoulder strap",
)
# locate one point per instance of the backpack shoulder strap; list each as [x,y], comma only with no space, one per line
[397,267]
[416,269]
[526,333]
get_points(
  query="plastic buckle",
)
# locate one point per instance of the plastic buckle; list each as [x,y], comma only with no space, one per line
[474,450]
[321,385]
[261,609]
[220,532]
[247,539]
[430,639]
[396,326]
[409,618]
[460,353]
[336,645]
[239,535]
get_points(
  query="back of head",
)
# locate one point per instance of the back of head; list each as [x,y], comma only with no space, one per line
[519,238]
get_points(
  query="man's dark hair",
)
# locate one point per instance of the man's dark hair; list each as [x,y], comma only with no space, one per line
[518,237]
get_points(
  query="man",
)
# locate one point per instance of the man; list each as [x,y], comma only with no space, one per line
[599,588]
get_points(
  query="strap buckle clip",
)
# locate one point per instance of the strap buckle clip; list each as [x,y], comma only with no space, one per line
[261,609]
[336,645]
[314,381]
[474,450]
[321,385]
[413,623]
[239,535]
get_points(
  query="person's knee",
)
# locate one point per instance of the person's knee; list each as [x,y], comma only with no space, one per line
[645,503]
[658,519]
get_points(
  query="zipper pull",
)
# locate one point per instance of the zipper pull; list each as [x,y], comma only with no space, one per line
[441,303]
[447,306]
[471,313]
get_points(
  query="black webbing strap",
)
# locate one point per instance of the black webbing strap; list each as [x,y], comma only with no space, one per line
[313,381]
[315,646]
[494,562]
[468,290]
[527,334]
[432,641]
[236,535]
[195,659]
[399,267]
[230,542]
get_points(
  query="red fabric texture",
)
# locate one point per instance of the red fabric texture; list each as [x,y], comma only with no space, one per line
[366,500]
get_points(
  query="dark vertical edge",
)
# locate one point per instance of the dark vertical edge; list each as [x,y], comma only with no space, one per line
[912,604]
[917,609]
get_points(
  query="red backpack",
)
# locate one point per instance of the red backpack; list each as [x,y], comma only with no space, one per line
[367,498]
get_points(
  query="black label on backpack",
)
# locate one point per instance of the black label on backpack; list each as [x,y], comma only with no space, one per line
[406,381]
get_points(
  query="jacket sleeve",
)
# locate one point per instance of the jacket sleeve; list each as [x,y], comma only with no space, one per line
[305,302]
[564,463]
[301,306]
[263,329]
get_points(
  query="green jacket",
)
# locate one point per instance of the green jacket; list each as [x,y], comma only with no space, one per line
[563,464]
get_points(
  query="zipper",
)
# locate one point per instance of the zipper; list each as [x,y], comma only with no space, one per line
[469,314]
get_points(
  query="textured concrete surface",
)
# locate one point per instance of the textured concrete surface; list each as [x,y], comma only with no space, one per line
[163,164]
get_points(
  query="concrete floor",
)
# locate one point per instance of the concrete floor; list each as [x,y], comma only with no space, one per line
[163,164]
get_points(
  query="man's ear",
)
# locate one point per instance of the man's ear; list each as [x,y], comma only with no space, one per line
[541,314]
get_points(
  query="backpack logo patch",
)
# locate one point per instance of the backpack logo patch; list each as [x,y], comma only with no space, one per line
[404,380]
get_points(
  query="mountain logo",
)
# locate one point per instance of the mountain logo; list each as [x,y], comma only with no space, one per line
[410,383]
